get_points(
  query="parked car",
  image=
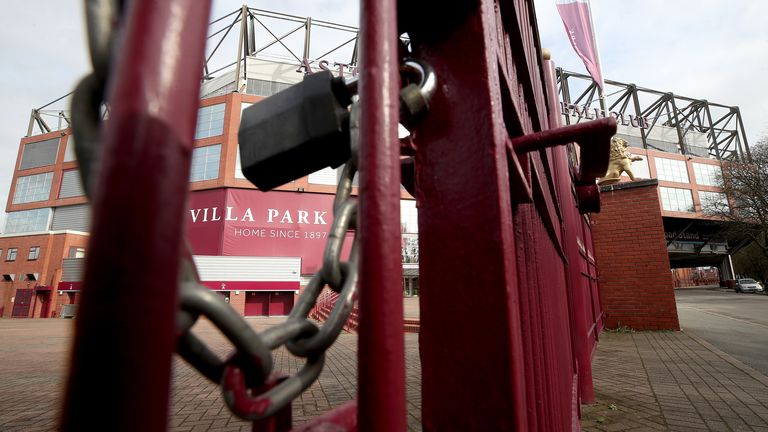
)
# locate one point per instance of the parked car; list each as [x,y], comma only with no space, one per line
[748,285]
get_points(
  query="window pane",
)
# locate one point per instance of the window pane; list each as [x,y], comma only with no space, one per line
[674,199]
[39,153]
[33,188]
[707,174]
[210,121]
[205,163]
[76,252]
[409,217]
[34,253]
[28,221]
[69,151]
[238,170]
[672,170]
[713,202]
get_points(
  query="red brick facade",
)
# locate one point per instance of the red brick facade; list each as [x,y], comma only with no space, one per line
[635,280]
[54,247]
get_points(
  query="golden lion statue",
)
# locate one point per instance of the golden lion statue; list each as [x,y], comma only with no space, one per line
[620,161]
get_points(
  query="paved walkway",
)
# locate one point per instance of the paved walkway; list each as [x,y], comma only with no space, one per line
[644,381]
[673,381]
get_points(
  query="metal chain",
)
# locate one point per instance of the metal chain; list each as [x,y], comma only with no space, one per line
[249,387]
[250,367]
[102,19]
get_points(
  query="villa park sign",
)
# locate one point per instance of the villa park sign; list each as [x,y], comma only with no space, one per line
[583,112]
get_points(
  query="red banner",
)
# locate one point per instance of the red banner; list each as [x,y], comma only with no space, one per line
[578,24]
[69,286]
[246,222]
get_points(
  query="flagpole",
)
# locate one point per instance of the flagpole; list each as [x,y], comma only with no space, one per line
[601,85]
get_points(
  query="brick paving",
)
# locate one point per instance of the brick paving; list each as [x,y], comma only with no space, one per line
[34,359]
[673,381]
[643,381]
[197,404]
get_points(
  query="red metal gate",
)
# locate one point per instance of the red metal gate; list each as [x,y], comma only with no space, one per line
[22,303]
[508,311]
[499,214]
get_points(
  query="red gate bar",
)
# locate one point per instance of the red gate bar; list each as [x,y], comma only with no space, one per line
[470,341]
[578,289]
[125,330]
[381,375]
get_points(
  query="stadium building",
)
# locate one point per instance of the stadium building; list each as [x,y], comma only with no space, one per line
[682,142]
[256,249]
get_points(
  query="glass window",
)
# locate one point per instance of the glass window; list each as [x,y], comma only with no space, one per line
[238,170]
[34,253]
[69,151]
[409,226]
[39,153]
[11,254]
[76,252]
[205,163]
[707,174]
[671,170]
[34,220]
[713,202]
[210,121]
[409,217]
[409,248]
[33,188]
[675,199]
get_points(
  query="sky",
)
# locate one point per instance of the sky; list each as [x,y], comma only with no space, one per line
[704,49]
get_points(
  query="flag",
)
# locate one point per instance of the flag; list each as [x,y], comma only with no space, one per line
[576,16]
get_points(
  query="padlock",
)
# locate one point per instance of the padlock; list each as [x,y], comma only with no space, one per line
[296,132]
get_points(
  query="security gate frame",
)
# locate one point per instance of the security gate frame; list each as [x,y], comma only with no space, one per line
[496,186]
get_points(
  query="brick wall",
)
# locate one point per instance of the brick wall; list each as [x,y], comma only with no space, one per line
[53,248]
[636,287]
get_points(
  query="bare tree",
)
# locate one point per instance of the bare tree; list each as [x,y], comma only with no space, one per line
[745,184]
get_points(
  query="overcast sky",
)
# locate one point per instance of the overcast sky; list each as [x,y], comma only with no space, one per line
[705,49]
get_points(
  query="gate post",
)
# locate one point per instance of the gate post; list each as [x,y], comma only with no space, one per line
[381,345]
[125,331]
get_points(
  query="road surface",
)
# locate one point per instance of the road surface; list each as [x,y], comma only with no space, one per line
[735,323]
